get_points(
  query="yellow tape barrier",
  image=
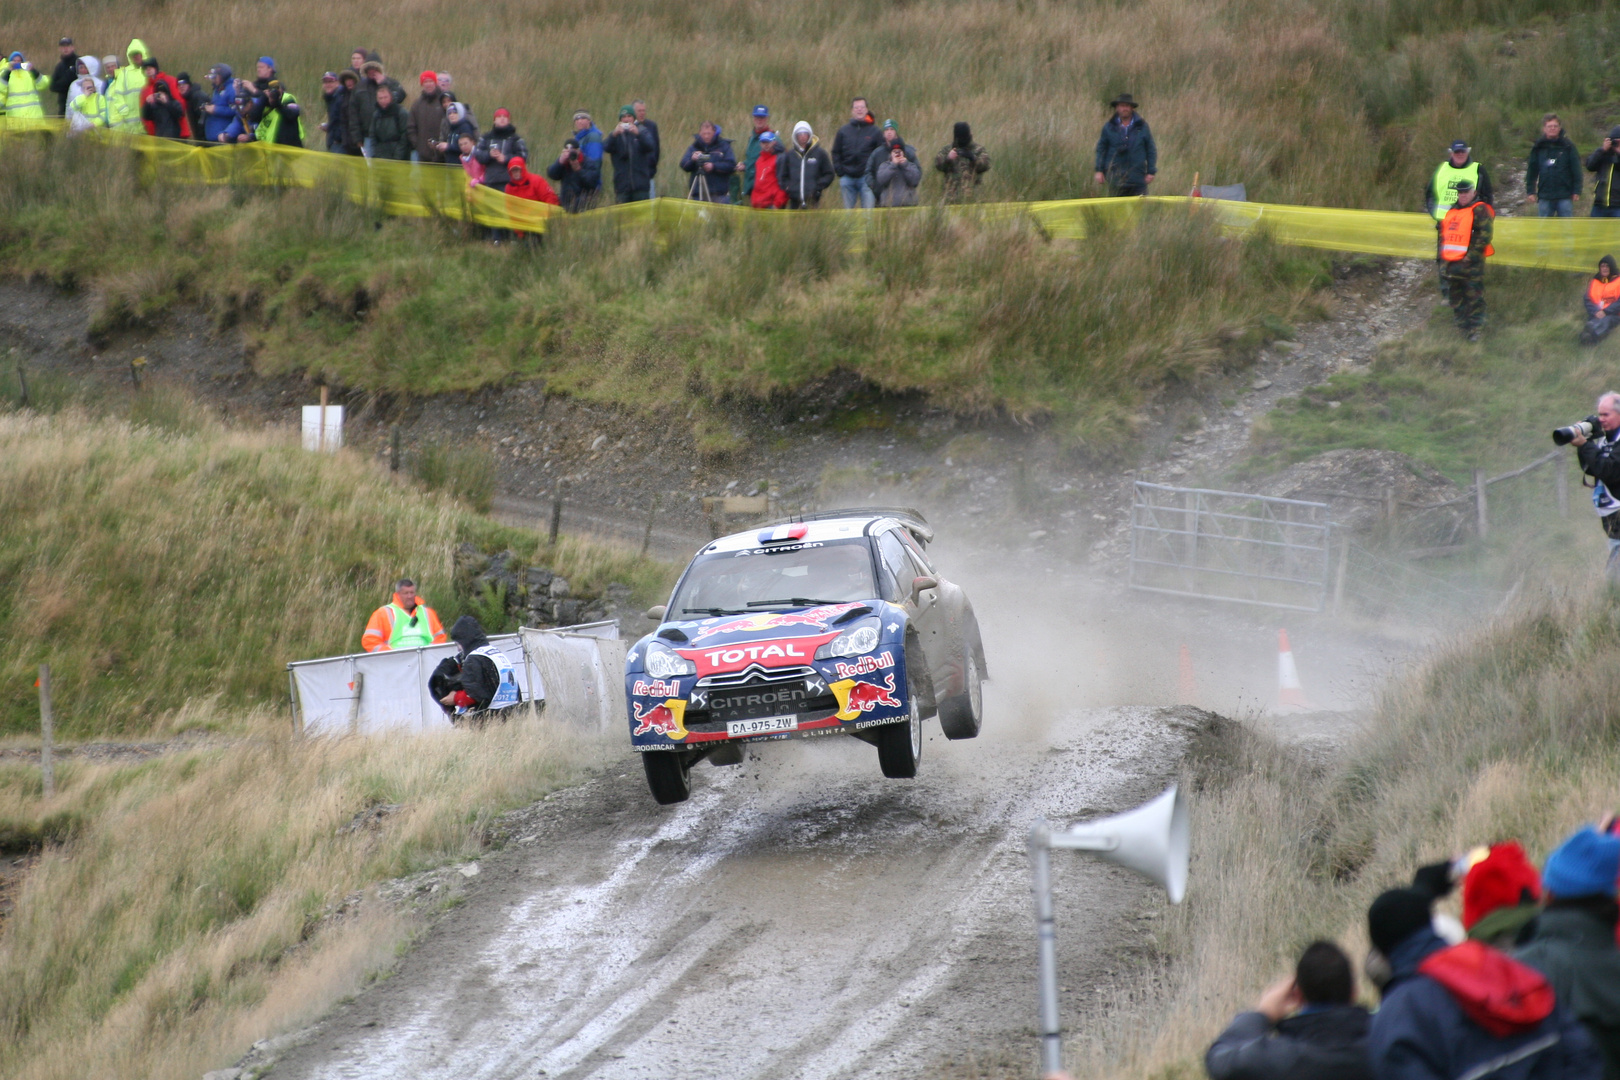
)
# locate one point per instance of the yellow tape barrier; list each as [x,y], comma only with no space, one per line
[402,189]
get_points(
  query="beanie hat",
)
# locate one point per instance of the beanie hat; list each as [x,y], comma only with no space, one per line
[627,110]
[1395,916]
[502,112]
[962,135]
[151,62]
[1503,878]
[1586,864]
[15,56]
[427,78]
[184,76]
[582,115]
[1614,133]
[888,125]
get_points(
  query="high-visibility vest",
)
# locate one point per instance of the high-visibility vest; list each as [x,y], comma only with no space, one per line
[1445,185]
[270,123]
[1603,293]
[22,94]
[406,636]
[1456,229]
[508,694]
[124,100]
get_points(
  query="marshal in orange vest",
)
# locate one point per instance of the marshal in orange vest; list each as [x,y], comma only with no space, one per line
[1603,293]
[1457,228]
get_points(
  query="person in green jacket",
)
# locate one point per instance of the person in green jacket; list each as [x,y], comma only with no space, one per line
[123,91]
[282,122]
[742,181]
[390,129]
[21,90]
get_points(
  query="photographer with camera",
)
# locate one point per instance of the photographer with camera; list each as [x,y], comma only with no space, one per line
[571,173]
[963,162]
[711,162]
[1595,440]
[162,114]
[632,148]
[897,178]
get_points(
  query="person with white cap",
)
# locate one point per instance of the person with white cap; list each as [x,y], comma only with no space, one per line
[805,170]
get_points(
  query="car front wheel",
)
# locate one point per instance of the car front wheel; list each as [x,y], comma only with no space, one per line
[900,745]
[667,775]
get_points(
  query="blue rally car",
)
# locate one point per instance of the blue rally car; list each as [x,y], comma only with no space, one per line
[825,624]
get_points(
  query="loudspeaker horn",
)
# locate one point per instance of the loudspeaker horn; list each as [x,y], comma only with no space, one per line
[1152,840]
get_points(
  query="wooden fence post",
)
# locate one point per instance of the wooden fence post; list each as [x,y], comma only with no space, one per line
[646,537]
[47,731]
[22,383]
[556,512]
[1481,513]
[394,442]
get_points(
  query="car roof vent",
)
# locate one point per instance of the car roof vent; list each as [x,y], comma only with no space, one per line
[672,633]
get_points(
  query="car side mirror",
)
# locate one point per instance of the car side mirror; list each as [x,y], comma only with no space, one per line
[921,584]
[656,614]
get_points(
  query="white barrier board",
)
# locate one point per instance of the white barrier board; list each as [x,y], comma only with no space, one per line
[322,433]
[393,689]
[582,668]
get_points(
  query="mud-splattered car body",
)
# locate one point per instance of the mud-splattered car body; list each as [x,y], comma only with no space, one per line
[835,625]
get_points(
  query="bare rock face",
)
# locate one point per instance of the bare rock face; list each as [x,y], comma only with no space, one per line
[1356,485]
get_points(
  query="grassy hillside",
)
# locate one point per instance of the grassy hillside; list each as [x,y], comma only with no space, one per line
[1510,733]
[159,566]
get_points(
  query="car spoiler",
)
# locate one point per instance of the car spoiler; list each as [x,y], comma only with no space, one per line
[911,518]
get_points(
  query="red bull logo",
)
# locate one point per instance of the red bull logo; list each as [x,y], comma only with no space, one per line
[865,665]
[667,719]
[856,696]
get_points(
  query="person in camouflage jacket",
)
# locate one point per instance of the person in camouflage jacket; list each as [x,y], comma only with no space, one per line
[962,161]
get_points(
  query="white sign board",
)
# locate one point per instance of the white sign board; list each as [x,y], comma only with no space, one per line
[582,668]
[369,693]
[323,427]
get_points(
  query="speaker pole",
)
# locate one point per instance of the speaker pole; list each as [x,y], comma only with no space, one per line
[1040,860]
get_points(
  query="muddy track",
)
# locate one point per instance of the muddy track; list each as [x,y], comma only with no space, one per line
[800,917]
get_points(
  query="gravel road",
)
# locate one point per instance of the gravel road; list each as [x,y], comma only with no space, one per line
[799,917]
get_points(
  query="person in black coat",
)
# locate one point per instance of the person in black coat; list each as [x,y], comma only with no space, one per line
[658,147]
[1127,156]
[465,681]
[1325,1038]
[193,100]
[67,70]
[630,145]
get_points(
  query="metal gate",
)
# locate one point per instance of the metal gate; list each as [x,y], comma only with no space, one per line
[1225,545]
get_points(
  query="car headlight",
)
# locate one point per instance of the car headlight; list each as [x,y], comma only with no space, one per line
[663,662]
[856,641]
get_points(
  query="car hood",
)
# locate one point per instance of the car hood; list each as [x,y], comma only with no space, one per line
[778,638]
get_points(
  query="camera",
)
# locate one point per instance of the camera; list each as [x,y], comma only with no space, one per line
[701,159]
[1565,435]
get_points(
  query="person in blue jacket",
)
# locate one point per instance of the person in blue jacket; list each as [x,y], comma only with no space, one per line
[1451,1011]
[1127,156]
[220,110]
[710,161]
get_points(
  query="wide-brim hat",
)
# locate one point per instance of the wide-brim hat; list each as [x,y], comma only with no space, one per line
[1124,99]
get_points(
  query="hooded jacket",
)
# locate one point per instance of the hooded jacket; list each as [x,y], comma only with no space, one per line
[451,131]
[1553,170]
[853,145]
[511,145]
[90,115]
[765,190]
[223,103]
[804,173]
[168,82]
[1602,163]
[633,157]
[165,119]
[124,92]
[1449,1010]
[426,119]
[1127,156]
[1601,296]
[390,133]
[1574,947]
[475,676]
[22,92]
[1328,1043]
[532,186]
[716,181]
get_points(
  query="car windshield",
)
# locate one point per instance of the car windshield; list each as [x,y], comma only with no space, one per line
[795,575]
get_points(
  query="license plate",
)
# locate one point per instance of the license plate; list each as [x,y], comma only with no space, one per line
[765,725]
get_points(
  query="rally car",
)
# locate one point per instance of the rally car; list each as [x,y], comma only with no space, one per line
[833,623]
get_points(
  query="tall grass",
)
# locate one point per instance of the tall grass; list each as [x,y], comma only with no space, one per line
[200,904]
[1512,732]
[153,568]
[1346,102]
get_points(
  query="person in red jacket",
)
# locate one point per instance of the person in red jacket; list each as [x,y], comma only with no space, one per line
[523,184]
[154,77]
[767,193]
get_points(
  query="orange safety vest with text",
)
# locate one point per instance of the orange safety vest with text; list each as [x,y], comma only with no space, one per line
[1604,293]
[1457,229]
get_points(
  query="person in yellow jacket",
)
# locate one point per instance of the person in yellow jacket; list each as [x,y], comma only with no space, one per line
[123,92]
[1465,243]
[405,623]
[21,89]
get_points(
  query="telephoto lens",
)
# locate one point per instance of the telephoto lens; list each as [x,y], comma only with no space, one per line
[1565,435]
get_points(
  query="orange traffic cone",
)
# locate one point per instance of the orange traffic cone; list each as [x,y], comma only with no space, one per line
[1290,695]
[1187,688]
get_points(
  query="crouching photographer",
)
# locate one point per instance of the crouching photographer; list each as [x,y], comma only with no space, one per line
[1597,443]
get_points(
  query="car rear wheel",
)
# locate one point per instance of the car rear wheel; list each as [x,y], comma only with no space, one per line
[900,745]
[961,716]
[667,775]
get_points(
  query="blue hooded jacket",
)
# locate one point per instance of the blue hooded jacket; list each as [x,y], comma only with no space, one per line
[224,101]
[1420,1032]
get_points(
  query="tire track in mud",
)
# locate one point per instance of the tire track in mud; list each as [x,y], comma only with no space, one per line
[800,917]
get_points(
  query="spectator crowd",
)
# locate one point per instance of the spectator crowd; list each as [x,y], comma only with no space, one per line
[1525,986]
